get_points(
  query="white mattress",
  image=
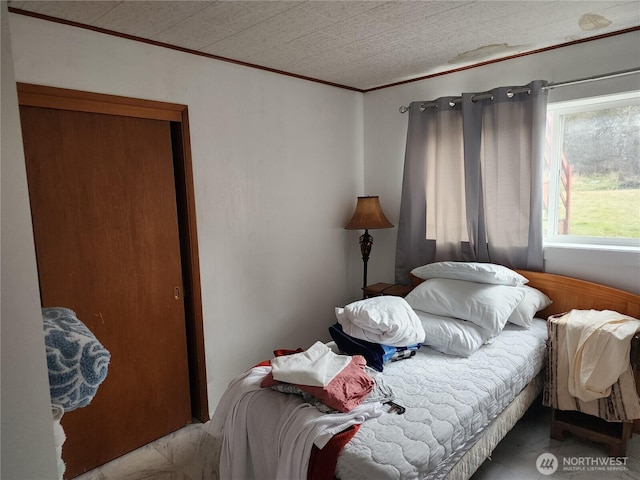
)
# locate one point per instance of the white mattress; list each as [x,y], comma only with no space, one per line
[449,402]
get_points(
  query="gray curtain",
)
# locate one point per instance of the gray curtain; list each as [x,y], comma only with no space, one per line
[472,184]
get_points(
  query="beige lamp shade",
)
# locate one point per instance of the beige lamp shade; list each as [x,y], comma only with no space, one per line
[368,214]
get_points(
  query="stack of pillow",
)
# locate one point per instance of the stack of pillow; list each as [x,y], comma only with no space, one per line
[463,305]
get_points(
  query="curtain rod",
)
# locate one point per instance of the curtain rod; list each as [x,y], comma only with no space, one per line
[592,79]
[550,86]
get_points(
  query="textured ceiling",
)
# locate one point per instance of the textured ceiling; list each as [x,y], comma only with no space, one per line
[358,44]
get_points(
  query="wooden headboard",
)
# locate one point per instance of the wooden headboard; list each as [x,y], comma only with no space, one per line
[568,293]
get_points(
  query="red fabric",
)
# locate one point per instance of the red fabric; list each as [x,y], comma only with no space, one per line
[284,351]
[278,353]
[322,463]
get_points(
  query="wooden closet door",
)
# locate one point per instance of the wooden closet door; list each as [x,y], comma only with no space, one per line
[105,225]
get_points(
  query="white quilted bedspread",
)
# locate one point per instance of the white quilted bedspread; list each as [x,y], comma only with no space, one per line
[449,401]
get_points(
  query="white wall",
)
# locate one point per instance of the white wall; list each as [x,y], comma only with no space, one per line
[27,428]
[385,135]
[277,167]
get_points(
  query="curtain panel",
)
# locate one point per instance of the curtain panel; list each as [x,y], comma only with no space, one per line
[472,182]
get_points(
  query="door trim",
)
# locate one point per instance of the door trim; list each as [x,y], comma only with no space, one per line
[178,116]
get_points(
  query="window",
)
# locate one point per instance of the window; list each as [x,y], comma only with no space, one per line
[592,171]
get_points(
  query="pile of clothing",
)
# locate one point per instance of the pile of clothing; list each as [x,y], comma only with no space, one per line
[381,329]
[326,380]
[371,333]
[320,381]
[270,435]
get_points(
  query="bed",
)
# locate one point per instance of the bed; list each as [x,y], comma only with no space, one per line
[448,428]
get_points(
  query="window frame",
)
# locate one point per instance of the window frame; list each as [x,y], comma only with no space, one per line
[558,110]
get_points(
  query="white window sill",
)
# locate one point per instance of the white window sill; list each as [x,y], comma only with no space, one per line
[592,246]
[609,255]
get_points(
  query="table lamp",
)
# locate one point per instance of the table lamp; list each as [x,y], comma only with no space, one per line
[368,215]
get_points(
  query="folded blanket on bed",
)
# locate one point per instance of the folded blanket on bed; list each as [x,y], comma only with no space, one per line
[608,391]
[376,354]
[77,361]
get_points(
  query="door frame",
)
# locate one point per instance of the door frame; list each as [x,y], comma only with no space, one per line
[178,117]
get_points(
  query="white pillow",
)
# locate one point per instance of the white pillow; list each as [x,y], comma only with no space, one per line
[488,306]
[451,335]
[386,319]
[533,301]
[470,271]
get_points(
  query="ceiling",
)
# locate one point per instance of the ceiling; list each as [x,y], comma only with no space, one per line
[357,44]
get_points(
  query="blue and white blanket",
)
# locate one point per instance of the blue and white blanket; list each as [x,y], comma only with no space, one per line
[77,361]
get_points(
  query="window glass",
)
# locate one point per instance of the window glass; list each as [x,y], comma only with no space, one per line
[592,171]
